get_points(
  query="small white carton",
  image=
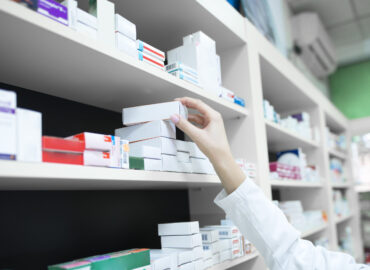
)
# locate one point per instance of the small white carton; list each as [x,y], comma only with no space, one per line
[235,253]
[178,228]
[96,158]
[106,23]
[171,164]
[184,255]
[126,45]
[72,12]
[209,235]
[226,231]
[181,241]
[178,66]
[125,27]
[183,146]
[149,152]
[198,264]
[213,247]
[86,18]
[86,30]
[225,255]
[152,164]
[159,253]
[153,112]
[207,254]
[202,166]
[208,263]
[125,154]
[8,125]
[195,152]
[183,156]
[184,76]
[160,262]
[216,258]
[227,94]
[167,146]
[95,141]
[197,253]
[229,243]
[185,167]
[151,60]
[149,130]
[29,133]
[187,266]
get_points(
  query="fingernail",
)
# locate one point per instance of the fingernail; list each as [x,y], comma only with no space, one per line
[175,118]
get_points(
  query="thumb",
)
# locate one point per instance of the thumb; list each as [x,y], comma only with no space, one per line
[187,127]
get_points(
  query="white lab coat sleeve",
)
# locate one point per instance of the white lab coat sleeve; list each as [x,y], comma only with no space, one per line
[265,225]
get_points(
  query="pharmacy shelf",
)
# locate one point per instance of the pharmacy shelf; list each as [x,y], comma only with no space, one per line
[50,176]
[163,23]
[231,263]
[341,185]
[342,219]
[57,60]
[294,184]
[314,230]
[280,139]
[337,154]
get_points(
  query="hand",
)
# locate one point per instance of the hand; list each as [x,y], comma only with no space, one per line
[210,136]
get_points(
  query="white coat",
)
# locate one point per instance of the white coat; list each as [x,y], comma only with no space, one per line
[262,223]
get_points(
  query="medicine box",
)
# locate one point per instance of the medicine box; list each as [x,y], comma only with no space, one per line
[147,58]
[178,66]
[152,164]
[153,112]
[87,19]
[148,152]
[183,157]
[94,141]
[218,69]
[8,125]
[150,50]
[207,254]
[125,27]
[171,164]
[183,76]
[209,235]
[62,145]
[240,101]
[149,130]
[181,241]
[97,158]
[207,263]
[126,45]
[183,146]
[225,255]
[136,163]
[202,166]
[185,167]
[29,133]
[86,30]
[159,253]
[226,231]
[75,265]
[201,38]
[53,10]
[227,94]
[62,157]
[183,255]
[72,12]
[106,23]
[216,258]
[195,152]
[166,145]
[235,253]
[187,266]
[230,243]
[213,247]
[178,228]
[197,253]
[124,154]
[160,262]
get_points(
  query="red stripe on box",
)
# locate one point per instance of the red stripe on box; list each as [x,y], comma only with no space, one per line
[153,51]
[151,60]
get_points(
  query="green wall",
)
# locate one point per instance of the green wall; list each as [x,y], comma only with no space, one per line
[350,90]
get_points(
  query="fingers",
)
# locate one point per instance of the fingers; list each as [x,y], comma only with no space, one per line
[196,104]
[183,124]
[197,119]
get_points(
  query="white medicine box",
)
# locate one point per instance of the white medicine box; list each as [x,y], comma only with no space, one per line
[181,241]
[178,228]
[8,125]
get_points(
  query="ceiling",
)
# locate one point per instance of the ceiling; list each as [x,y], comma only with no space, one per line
[347,22]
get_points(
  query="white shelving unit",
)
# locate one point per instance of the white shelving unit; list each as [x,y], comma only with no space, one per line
[63,63]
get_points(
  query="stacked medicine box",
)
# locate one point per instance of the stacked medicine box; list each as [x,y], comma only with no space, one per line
[183,238]
[153,140]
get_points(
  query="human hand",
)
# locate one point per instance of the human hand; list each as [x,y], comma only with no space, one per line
[208,133]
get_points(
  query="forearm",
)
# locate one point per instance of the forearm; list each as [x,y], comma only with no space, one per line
[228,171]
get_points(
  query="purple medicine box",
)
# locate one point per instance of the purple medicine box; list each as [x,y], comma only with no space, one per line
[53,10]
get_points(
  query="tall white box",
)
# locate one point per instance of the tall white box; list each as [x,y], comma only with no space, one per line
[29,133]
[181,241]
[8,125]
[125,27]
[106,23]
[153,112]
[148,130]
[178,228]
